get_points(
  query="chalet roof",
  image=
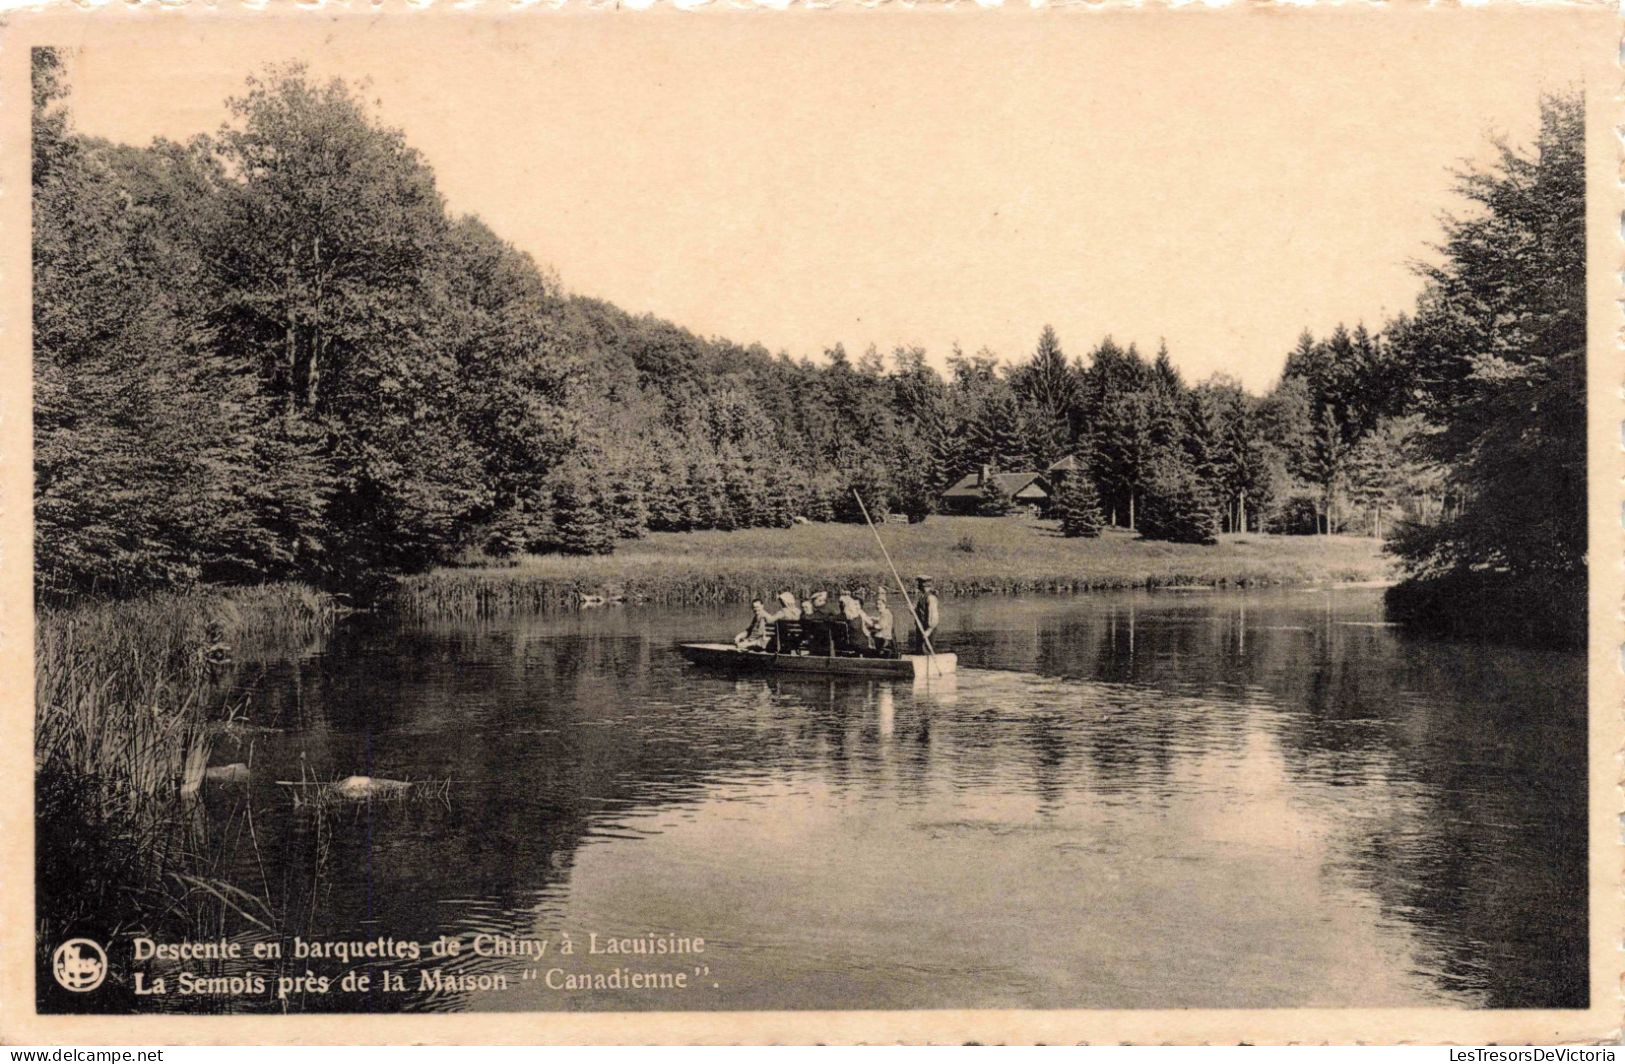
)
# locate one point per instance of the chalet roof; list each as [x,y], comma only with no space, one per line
[1069,464]
[1011,483]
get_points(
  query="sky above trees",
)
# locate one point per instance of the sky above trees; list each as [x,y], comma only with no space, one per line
[948,180]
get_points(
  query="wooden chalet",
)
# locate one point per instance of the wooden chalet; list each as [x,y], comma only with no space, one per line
[1030,490]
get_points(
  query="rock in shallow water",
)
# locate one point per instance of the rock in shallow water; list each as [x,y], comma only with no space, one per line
[236,772]
[361,788]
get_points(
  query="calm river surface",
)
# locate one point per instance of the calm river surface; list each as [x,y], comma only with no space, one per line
[1125,800]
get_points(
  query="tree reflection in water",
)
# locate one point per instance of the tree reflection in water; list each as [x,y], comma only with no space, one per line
[1124,800]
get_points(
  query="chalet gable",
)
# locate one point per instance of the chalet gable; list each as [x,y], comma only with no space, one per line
[1030,486]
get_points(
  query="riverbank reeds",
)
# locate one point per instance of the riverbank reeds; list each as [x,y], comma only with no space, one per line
[124,691]
[127,697]
[1013,555]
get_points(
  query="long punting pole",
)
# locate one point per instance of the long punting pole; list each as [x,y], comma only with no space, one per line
[902,589]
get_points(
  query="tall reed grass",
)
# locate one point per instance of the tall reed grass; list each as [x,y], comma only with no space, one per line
[124,692]
[127,697]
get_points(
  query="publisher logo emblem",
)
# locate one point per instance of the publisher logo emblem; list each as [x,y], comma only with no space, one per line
[79,965]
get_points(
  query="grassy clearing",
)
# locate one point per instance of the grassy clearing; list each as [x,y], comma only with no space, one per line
[965,555]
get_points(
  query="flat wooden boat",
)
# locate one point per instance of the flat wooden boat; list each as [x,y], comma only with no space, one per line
[904,667]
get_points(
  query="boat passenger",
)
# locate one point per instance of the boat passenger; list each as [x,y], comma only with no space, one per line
[820,620]
[810,605]
[856,621]
[788,610]
[862,596]
[756,636]
[880,622]
[820,608]
[927,611]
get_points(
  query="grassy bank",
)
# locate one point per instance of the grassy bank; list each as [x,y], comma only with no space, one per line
[965,555]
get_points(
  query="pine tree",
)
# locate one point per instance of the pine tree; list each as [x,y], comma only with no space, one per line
[709,487]
[745,491]
[996,502]
[780,497]
[581,524]
[1178,506]
[1049,388]
[1327,465]
[1384,472]
[669,498]
[946,458]
[1165,377]
[1179,514]
[1043,436]
[1125,449]
[874,486]
[628,513]
[1078,506]
[913,481]
[996,434]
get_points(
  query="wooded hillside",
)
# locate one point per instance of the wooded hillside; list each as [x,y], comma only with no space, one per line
[272,352]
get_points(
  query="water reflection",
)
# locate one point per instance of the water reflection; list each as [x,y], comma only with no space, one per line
[1123,801]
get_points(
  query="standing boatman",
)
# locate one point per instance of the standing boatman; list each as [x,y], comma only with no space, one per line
[927,610]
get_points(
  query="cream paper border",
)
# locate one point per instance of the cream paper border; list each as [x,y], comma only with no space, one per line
[1600,1023]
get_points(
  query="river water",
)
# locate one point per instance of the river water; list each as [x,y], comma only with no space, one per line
[1260,799]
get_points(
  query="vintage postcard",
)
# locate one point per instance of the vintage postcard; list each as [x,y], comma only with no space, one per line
[1087,523]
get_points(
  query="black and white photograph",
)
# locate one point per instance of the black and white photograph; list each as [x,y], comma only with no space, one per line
[799,512]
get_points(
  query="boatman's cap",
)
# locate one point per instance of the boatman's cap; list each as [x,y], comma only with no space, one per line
[922,579]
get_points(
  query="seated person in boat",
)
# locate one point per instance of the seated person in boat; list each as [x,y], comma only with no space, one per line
[880,623]
[821,610]
[786,624]
[855,620]
[787,608]
[757,636]
[822,622]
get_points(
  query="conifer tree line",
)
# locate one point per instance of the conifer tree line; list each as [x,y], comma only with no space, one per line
[272,352]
